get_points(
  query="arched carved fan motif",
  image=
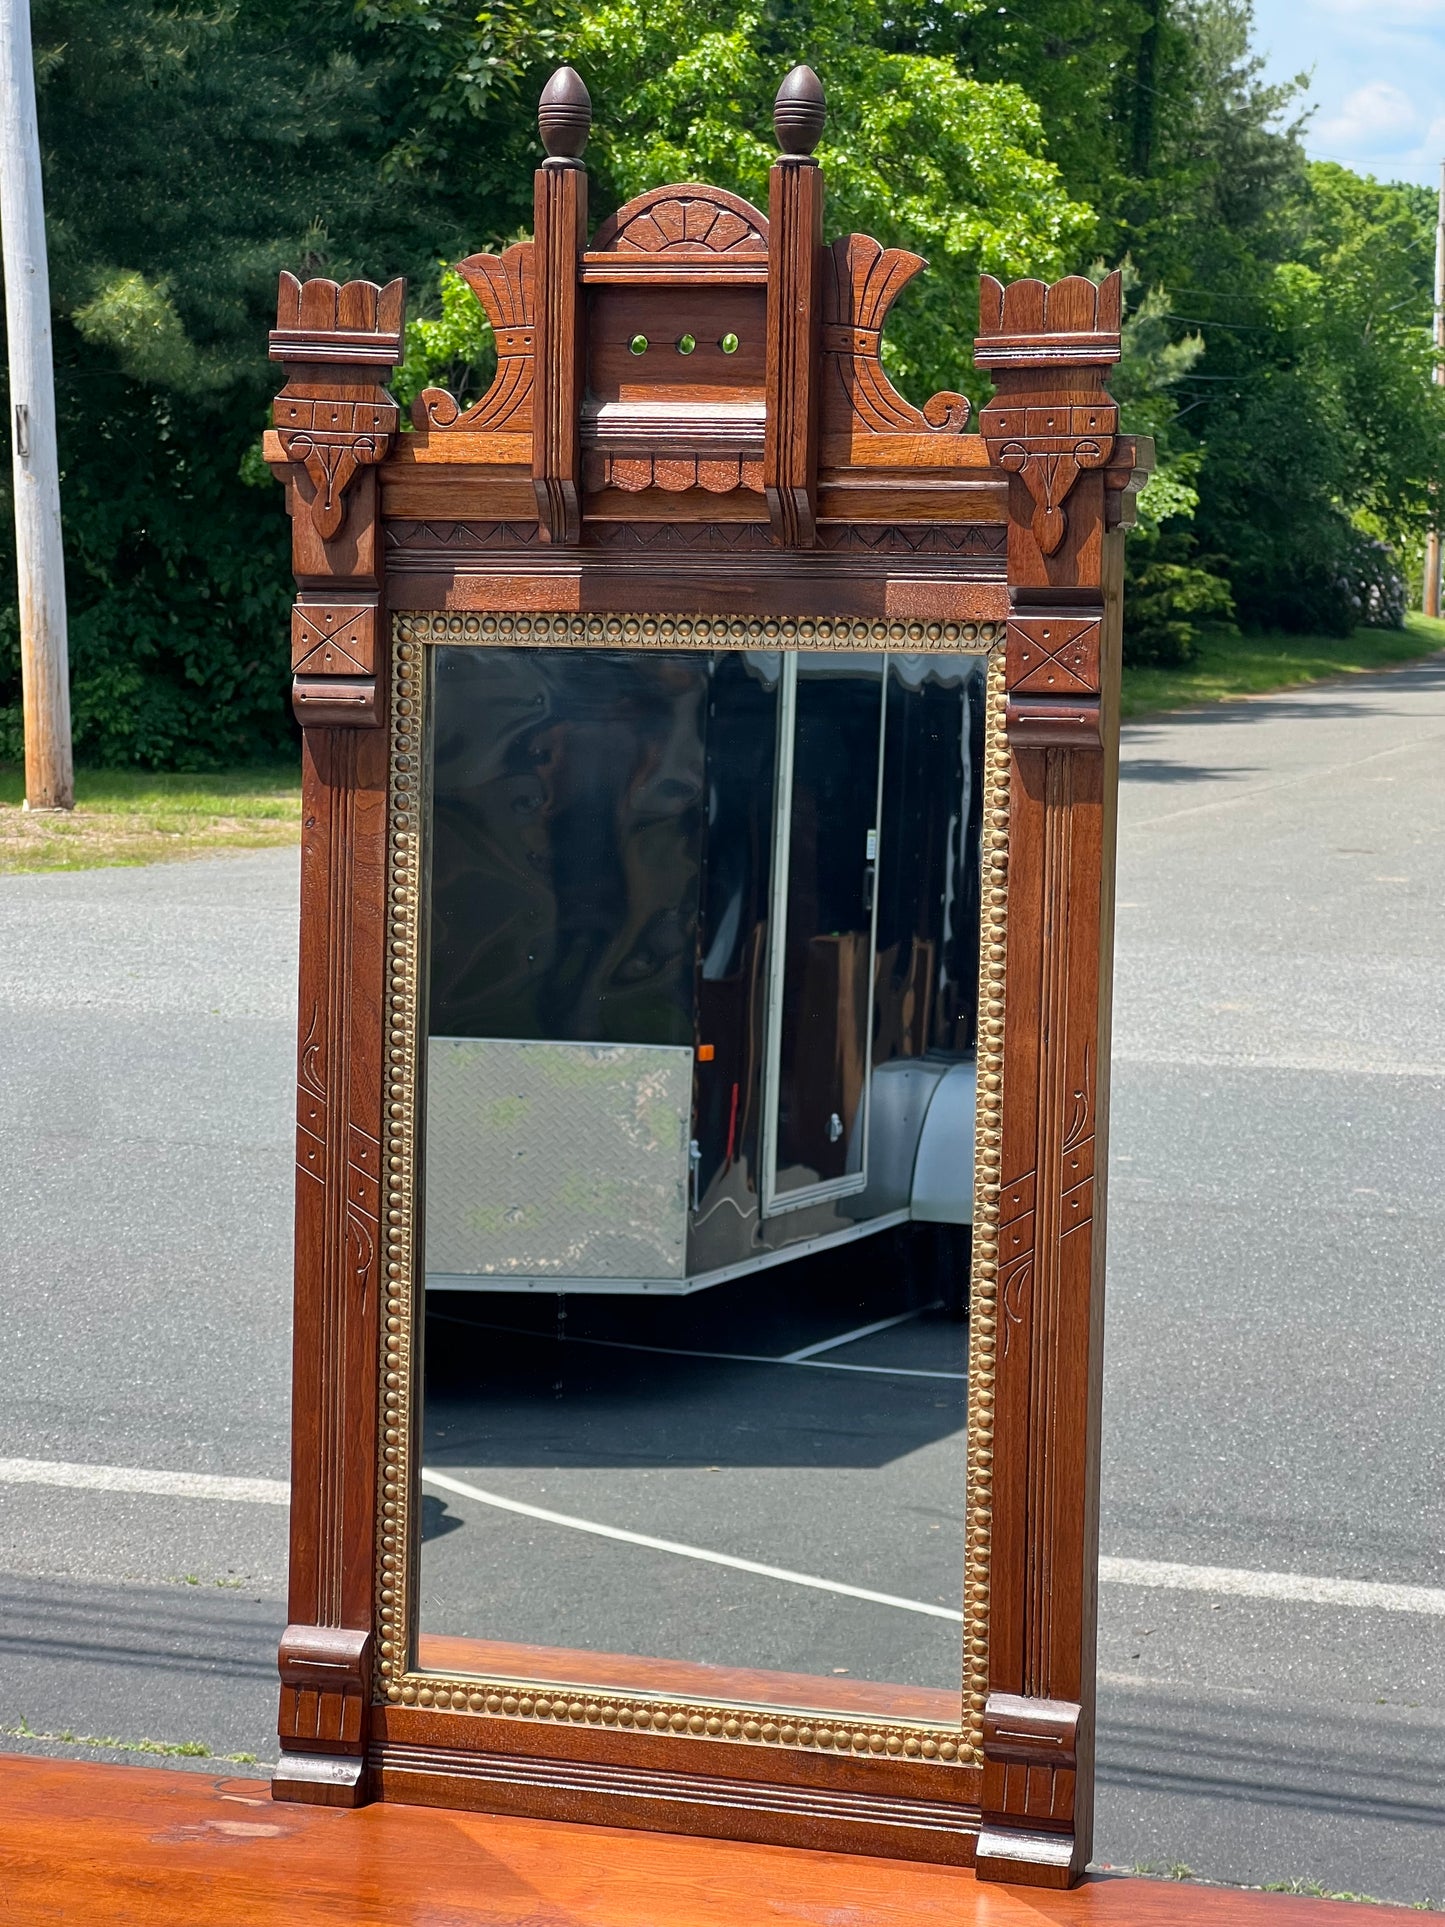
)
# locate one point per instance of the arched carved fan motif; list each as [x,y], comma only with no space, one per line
[685,220]
[861,281]
[503,285]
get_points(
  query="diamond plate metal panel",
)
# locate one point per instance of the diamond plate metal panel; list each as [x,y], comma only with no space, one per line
[557,1160]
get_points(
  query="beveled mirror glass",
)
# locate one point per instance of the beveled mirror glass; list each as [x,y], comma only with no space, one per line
[691,1076]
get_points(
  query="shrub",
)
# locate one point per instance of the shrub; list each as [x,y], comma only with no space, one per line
[1170,596]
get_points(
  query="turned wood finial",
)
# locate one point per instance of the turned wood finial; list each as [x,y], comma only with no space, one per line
[799,112]
[564,115]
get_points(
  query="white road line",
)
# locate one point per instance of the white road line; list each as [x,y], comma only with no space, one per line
[807,1352]
[674,1351]
[464,1491]
[1224,1581]
[1295,1587]
[130,1478]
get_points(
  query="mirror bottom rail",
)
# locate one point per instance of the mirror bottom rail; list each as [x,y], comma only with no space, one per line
[752,1690]
[676,1785]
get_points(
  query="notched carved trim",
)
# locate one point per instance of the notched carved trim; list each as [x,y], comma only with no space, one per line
[461,535]
[356,322]
[1033,324]
[727,538]
[936,538]
[674,473]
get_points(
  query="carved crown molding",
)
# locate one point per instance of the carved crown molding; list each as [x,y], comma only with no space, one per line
[1052,419]
[355,322]
[686,220]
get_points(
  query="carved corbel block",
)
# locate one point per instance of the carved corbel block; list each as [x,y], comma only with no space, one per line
[331,440]
[1030,1750]
[325,1687]
[1052,420]
[334,423]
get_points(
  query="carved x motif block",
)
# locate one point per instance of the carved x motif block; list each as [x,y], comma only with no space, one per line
[333,639]
[1053,655]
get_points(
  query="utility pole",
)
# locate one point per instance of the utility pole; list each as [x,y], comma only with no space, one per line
[40,559]
[1431,597]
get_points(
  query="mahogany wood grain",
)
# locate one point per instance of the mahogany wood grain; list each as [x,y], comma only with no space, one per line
[662,316]
[560,221]
[454,493]
[788,479]
[335,424]
[790,461]
[835,585]
[142,1847]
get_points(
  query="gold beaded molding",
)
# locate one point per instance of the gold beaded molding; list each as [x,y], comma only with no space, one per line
[699,632]
[987,1184]
[397,1681]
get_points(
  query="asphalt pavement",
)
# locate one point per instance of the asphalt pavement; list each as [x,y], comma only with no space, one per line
[1276,1352]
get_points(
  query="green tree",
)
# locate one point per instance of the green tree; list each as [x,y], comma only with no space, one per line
[1320,431]
[190,152]
[916,153]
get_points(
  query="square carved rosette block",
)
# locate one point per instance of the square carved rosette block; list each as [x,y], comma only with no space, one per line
[691,443]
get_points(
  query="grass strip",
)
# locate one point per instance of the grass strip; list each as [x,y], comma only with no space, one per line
[132,816]
[1232,667]
[167,1749]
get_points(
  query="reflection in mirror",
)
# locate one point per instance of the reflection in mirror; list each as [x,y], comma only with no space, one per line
[701,970]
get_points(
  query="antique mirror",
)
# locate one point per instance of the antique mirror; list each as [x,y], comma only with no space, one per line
[705,959]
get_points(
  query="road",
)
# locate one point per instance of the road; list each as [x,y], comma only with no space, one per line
[1276,1355]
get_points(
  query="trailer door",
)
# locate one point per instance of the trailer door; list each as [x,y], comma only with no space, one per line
[821,945]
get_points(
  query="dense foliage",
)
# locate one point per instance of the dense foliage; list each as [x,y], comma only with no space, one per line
[1277,345]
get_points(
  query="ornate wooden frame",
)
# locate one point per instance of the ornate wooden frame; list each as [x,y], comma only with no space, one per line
[588,502]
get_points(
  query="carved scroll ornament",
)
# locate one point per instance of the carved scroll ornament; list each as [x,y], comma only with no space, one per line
[861,281]
[503,285]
